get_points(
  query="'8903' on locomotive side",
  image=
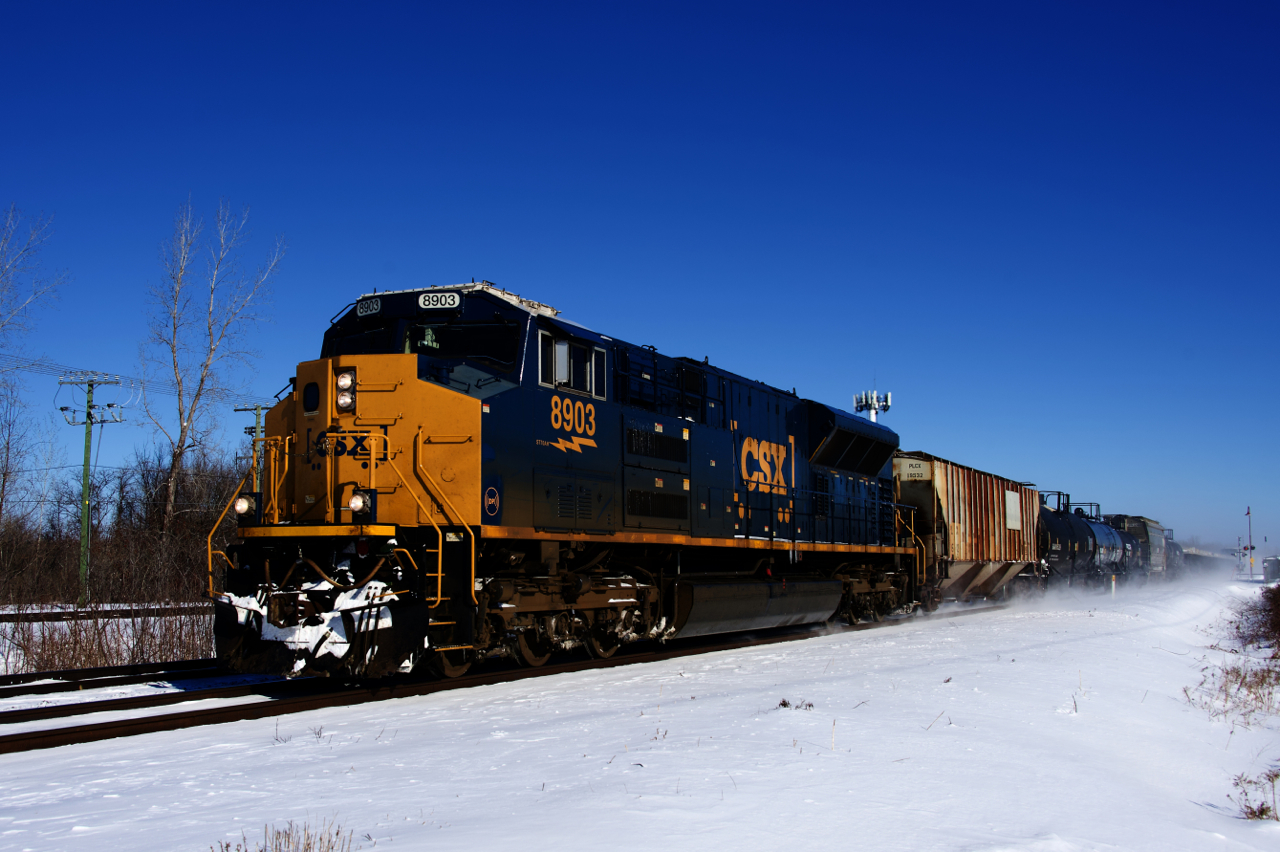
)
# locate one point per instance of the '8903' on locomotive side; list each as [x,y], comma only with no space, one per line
[463,475]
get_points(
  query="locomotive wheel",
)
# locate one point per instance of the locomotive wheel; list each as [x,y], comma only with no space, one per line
[602,644]
[932,597]
[533,651]
[450,664]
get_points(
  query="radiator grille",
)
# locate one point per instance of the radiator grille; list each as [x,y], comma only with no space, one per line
[642,442]
[655,505]
[573,503]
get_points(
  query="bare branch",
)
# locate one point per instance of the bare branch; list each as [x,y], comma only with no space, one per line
[22,287]
[199,323]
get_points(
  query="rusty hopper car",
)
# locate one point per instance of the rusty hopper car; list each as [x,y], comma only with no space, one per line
[977,530]
[463,474]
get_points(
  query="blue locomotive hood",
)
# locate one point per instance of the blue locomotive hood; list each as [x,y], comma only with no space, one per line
[845,442]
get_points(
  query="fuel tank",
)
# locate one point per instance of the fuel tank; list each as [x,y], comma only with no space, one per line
[706,608]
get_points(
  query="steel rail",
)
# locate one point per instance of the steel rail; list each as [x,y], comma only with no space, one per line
[108,671]
[77,734]
[79,685]
[140,702]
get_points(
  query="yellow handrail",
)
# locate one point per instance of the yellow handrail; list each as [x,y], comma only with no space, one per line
[274,447]
[279,448]
[439,575]
[274,475]
[218,523]
[373,466]
[911,528]
[412,564]
[432,487]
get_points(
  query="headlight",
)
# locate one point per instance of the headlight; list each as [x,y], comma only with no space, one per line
[346,380]
[358,503]
[346,400]
[243,505]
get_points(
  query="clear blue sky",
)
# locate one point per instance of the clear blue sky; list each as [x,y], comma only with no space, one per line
[1049,229]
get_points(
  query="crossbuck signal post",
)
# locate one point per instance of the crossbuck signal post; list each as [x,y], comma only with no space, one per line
[93,414]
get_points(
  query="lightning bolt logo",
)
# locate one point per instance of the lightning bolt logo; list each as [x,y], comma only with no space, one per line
[576,444]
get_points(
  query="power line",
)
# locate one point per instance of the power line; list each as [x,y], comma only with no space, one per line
[43,367]
[157,471]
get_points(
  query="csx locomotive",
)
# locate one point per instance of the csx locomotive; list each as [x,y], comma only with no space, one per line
[464,474]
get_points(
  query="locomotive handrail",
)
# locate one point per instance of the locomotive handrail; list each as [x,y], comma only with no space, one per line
[377,387]
[278,483]
[218,523]
[433,488]
[334,318]
[271,453]
[920,570]
[412,563]
[373,466]
[225,558]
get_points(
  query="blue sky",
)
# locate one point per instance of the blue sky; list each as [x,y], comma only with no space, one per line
[1049,229]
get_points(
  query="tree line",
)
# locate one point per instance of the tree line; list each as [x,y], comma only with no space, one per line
[151,513]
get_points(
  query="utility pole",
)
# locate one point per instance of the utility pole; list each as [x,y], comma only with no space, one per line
[88,381]
[1248,513]
[257,436]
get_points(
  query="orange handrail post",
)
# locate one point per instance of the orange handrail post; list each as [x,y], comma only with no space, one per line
[218,523]
[373,466]
[431,485]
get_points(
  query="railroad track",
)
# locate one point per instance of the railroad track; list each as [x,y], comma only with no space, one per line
[142,702]
[74,680]
[317,694]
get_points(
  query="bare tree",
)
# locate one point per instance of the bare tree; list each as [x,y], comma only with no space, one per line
[200,316]
[22,286]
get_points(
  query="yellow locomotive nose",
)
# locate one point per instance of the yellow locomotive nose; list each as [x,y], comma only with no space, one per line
[369,500]
[368,441]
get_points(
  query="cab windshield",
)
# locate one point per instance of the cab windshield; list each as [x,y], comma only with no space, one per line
[496,344]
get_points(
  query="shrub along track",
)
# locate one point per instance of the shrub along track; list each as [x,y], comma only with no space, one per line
[50,615]
[305,694]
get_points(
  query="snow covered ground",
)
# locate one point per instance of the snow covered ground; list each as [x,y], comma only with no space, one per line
[1060,725]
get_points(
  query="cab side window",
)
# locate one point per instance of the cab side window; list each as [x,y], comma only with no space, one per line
[571,365]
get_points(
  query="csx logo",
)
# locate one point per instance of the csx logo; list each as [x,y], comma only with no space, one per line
[763,466]
[337,444]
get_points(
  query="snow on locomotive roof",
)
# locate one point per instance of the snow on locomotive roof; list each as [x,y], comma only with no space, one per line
[484,286]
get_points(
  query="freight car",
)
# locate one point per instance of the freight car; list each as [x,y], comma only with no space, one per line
[464,474]
[1080,545]
[977,530]
[1151,542]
